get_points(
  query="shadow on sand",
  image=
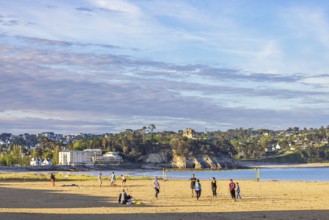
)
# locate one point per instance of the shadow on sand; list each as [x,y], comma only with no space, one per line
[29,198]
[36,199]
[269,215]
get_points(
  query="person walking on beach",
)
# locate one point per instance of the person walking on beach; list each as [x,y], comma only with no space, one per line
[52,179]
[100,181]
[197,188]
[124,180]
[232,189]
[237,191]
[214,187]
[156,186]
[113,179]
[193,180]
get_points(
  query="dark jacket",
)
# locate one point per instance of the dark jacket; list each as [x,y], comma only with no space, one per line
[123,197]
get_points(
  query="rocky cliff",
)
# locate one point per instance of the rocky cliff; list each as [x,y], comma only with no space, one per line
[170,159]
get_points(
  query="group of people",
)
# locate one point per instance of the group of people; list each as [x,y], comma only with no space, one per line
[112,179]
[196,188]
[234,188]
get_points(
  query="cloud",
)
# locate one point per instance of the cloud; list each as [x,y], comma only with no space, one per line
[117,5]
[84,9]
[101,65]
[68,88]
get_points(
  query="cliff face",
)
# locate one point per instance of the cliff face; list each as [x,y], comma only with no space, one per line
[203,161]
[170,159]
[159,157]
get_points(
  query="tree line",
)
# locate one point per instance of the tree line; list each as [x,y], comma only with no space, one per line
[134,145]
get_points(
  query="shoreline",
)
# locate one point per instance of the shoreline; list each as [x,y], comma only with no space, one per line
[79,168]
[249,164]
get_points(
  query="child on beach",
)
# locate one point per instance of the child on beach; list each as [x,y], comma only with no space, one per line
[113,179]
[237,191]
[124,180]
[52,179]
[100,181]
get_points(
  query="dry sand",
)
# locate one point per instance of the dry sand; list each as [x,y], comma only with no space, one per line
[87,201]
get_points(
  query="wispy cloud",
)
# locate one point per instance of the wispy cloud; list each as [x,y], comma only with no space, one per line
[108,65]
[117,5]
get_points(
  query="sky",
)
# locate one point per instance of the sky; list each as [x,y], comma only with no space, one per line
[103,66]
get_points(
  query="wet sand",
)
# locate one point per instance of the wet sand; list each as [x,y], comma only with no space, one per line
[260,200]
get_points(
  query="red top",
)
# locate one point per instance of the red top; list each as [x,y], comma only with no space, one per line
[232,185]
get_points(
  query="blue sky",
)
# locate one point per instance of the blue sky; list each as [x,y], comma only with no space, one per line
[97,66]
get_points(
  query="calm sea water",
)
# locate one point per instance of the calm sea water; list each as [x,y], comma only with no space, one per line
[289,174]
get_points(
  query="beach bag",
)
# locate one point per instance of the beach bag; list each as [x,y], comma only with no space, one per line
[138,203]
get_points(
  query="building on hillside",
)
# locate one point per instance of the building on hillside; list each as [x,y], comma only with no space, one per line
[108,157]
[35,162]
[93,152]
[74,157]
[189,133]
[47,134]
[46,162]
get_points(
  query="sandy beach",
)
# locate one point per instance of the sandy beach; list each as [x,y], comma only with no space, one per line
[260,200]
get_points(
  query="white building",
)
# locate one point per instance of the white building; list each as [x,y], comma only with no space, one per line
[75,157]
[93,152]
[46,162]
[278,147]
[35,162]
[108,157]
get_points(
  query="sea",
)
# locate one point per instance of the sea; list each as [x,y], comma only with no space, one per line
[275,174]
[279,174]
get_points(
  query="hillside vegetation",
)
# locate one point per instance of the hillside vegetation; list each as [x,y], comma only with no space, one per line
[145,145]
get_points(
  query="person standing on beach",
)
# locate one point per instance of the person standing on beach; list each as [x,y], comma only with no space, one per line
[232,189]
[100,181]
[113,179]
[193,180]
[124,180]
[214,187]
[197,188]
[52,179]
[237,191]
[156,186]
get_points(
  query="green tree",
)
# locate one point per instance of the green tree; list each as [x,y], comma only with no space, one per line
[55,159]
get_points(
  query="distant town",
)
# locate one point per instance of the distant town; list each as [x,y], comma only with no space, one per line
[185,148]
